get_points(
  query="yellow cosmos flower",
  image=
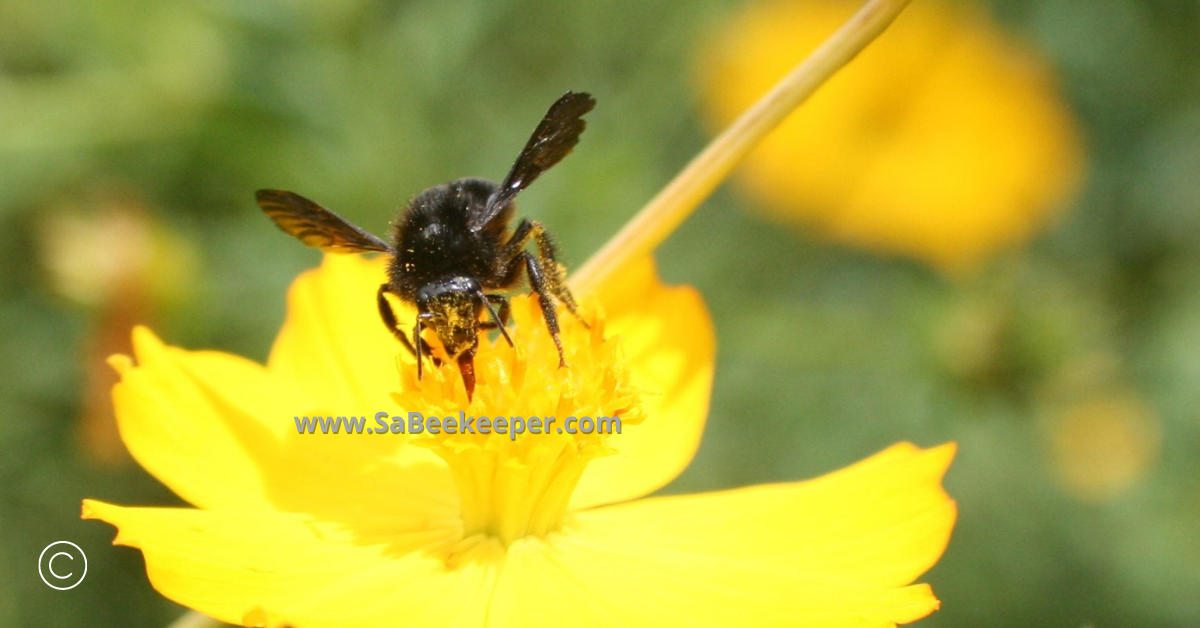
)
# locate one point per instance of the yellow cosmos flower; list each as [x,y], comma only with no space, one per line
[436,529]
[945,142]
[373,530]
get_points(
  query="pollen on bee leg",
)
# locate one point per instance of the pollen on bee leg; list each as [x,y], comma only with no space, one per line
[514,482]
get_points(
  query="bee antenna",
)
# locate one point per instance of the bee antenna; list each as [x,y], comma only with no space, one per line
[418,343]
[495,317]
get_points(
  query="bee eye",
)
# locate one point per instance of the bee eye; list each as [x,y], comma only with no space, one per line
[469,285]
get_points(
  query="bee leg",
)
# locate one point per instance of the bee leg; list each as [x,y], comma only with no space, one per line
[498,320]
[423,348]
[537,281]
[389,321]
[555,276]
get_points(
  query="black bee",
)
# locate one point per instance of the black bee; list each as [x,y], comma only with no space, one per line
[452,246]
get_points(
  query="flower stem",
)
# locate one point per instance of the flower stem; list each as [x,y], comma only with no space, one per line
[666,211]
[192,619]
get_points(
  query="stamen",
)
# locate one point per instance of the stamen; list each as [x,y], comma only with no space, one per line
[517,484]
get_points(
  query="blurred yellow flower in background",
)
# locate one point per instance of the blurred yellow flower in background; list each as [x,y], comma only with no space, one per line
[105,251]
[945,141]
[1102,435]
[1103,446]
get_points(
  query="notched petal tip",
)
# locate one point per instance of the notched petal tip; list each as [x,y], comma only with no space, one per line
[145,343]
[121,363]
[101,511]
[942,455]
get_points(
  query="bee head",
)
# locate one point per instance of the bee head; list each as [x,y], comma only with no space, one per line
[451,307]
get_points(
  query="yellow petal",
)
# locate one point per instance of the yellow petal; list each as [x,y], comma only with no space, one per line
[220,431]
[667,336]
[174,428]
[279,569]
[879,523]
[577,580]
[334,343]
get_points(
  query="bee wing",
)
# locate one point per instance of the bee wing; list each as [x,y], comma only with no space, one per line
[553,139]
[316,226]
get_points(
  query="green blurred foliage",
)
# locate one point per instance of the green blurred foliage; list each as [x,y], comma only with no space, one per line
[826,354]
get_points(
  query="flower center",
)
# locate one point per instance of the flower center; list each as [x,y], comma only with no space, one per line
[533,427]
